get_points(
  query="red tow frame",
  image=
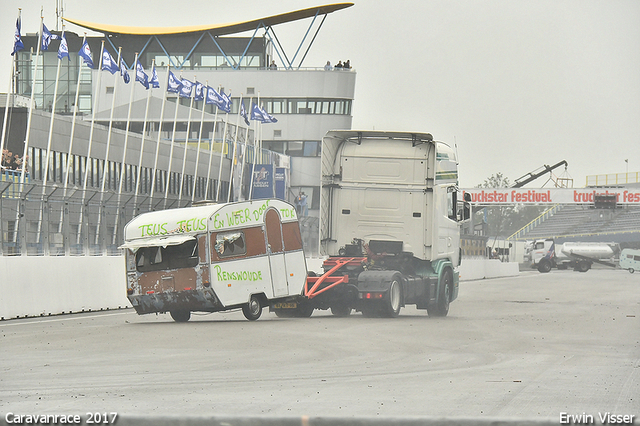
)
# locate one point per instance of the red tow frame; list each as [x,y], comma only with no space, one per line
[331,280]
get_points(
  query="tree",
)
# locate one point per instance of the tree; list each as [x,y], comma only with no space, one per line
[503,221]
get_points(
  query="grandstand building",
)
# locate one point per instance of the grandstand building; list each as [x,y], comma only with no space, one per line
[99,150]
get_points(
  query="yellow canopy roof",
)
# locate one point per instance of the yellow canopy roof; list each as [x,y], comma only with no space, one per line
[221,29]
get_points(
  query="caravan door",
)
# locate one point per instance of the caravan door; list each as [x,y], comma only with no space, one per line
[275,251]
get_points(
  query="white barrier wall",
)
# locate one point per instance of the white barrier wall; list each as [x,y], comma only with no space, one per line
[478,269]
[49,285]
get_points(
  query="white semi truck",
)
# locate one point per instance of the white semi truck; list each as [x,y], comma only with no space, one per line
[388,224]
[547,254]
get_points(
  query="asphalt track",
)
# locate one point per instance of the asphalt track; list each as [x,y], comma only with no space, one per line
[530,347]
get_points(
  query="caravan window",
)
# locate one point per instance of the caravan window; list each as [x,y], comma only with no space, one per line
[230,244]
[184,255]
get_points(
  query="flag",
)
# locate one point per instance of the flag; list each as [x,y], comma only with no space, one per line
[155,83]
[226,102]
[46,37]
[256,113]
[243,113]
[186,89]
[63,50]
[17,44]
[85,54]
[199,95]
[266,117]
[210,96]
[108,64]
[123,71]
[213,97]
[174,84]
[141,76]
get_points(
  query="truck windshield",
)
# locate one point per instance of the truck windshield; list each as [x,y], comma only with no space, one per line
[184,255]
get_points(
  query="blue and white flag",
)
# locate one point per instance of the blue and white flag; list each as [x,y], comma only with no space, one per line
[226,102]
[213,97]
[155,83]
[186,89]
[85,54]
[63,50]
[210,96]
[256,113]
[108,64]
[141,76]
[46,37]
[243,114]
[17,43]
[199,95]
[268,118]
[123,71]
[174,85]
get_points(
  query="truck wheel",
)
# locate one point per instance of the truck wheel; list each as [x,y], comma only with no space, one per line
[303,311]
[393,301]
[441,307]
[253,309]
[544,266]
[341,310]
[180,316]
[631,271]
[583,267]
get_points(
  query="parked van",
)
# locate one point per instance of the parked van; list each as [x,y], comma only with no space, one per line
[214,257]
[630,260]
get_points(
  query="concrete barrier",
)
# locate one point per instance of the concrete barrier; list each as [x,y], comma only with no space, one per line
[478,269]
[49,285]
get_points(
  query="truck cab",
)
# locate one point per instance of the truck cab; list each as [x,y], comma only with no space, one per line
[389,200]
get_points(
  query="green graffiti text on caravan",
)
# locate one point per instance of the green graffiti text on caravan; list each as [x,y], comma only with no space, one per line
[182,226]
[237,275]
[240,217]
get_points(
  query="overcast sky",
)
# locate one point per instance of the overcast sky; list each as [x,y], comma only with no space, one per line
[514,84]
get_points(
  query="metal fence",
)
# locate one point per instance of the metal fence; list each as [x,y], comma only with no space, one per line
[51,220]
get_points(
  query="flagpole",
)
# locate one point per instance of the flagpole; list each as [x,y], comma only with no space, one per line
[155,163]
[213,139]
[233,158]
[10,90]
[73,124]
[124,154]
[89,164]
[255,151]
[144,130]
[73,129]
[33,90]
[173,138]
[224,144]
[186,145]
[93,122]
[105,166]
[195,173]
[46,162]
[244,151]
[113,105]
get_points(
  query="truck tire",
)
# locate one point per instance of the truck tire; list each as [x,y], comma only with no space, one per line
[441,307]
[393,300]
[544,266]
[341,310]
[631,271]
[253,309]
[583,266]
[180,316]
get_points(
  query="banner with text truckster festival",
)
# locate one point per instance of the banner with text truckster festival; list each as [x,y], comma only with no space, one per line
[488,196]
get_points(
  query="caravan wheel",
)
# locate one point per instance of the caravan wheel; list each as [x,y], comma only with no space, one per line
[180,316]
[253,309]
